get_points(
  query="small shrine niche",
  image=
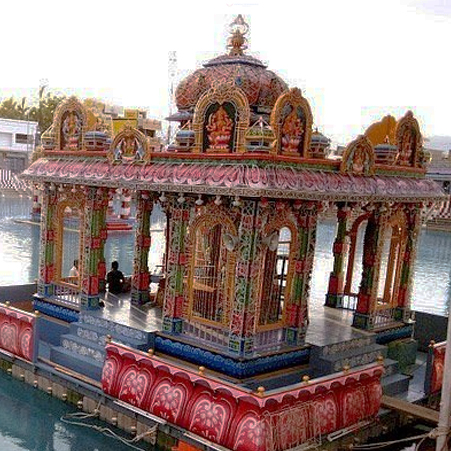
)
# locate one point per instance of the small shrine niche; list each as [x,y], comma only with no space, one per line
[408,141]
[358,157]
[219,128]
[129,145]
[221,118]
[69,125]
[71,130]
[291,120]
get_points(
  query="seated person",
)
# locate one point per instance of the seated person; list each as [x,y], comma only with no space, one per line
[115,279]
[74,270]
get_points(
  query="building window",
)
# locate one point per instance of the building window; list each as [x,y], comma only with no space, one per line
[209,288]
[275,277]
[24,139]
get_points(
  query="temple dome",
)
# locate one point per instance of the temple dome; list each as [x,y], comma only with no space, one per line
[261,86]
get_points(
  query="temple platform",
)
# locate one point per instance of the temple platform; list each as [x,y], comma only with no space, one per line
[332,345]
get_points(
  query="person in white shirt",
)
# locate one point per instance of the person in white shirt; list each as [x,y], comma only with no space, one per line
[74,270]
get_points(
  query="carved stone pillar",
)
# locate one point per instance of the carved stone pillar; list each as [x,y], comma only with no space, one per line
[47,249]
[334,296]
[175,293]
[372,249]
[242,322]
[141,276]
[297,309]
[413,215]
[93,244]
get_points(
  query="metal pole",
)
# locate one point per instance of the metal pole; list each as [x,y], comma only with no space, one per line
[445,403]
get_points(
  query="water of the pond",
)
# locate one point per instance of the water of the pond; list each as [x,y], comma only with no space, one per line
[30,420]
[19,255]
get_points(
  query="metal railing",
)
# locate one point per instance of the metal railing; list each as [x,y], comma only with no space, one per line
[206,333]
[67,294]
[349,301]
[383,317]
[269,339]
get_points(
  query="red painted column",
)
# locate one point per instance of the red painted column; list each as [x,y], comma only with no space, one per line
[94,239]
[372,249]
[47,246]
[141,276]
[413,215]
[179,214]
[297,319]
[334,294]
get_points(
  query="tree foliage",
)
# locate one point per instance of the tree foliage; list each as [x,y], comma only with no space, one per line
[42,113]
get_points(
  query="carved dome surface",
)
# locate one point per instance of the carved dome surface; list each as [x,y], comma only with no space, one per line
[261,86]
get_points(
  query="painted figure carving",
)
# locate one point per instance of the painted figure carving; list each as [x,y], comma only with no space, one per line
[71,130]
[406,147]
[358,162]
[292,131]
[220,129]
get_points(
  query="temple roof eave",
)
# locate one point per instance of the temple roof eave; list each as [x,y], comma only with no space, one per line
[248,180]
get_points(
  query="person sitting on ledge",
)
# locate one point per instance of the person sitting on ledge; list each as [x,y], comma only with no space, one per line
[115,279]
[74,270]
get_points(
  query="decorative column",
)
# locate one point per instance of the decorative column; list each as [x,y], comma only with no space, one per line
[141,276]
[36,208]
[413,215]
[93,244]
[47,248]
[125,205]
[297,309]
[241,334]
[334,296]
[372,248]
[175,293]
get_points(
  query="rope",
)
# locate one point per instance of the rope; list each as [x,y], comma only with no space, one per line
[434,434]
[107,431]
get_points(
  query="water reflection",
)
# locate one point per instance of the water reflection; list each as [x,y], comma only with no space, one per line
[19,244]
[30,420]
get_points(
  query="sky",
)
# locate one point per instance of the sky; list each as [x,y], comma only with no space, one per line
[354,60]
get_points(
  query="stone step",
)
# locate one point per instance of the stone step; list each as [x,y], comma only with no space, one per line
[391,367]
[120,332]
[395,384]
[76,362]
[99,335]
[345,346]
[353,357]
[82,347]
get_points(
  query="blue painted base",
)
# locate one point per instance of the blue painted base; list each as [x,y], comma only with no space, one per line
[397,333]
[55,311]
[232,366]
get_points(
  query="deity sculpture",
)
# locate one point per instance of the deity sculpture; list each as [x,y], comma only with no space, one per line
[406,147]
[358,161]
[219,129]
[71,131]
[128,146]
[292,131]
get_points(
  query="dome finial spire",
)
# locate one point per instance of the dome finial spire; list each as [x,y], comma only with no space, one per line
[237,42]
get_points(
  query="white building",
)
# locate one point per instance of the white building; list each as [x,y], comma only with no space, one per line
[17,142]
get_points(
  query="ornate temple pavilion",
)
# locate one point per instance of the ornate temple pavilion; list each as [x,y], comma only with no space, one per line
[242,187]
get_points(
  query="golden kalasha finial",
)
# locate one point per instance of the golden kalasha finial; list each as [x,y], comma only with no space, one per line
[237,41]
